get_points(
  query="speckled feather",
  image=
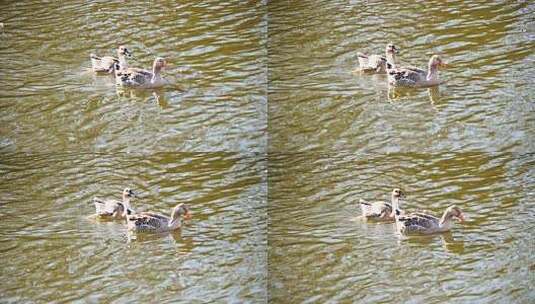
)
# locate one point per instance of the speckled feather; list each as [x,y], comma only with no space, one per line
[135,77]
[418,222]
[148,221]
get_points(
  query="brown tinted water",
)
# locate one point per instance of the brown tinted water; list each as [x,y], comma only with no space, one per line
[271,139]
[53,251]
[67,136]
[336,136]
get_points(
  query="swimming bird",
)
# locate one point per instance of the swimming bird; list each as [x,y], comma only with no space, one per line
[377,63]
[109,64]
[140,78]
[422,223]
[114,208]
[381,211]
[154,222]
[415,77]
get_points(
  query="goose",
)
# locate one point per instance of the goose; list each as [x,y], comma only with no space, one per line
[139,78]
[114,208]
[381,211]
[415,77]
[377,63]
[109,64]
[154,222]
[422,223]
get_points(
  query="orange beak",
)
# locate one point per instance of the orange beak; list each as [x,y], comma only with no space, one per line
[461,218]
[444,65]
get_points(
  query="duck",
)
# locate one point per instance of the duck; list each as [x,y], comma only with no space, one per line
[415,77]
[380,210]
[423,223]
[154,222]
[140,78]
[377,63]
[109,64]
[113,208]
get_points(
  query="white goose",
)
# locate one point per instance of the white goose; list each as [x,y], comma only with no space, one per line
[154,222]
[109,64]
[377,63]
[140,78]
[381,211]
[114,208]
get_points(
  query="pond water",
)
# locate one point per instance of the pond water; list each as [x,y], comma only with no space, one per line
[271,137]
[54,251]
[320,251]
[216,59]
[336,136]
[67,136]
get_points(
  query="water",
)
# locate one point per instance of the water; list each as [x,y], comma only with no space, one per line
[320,251]
[216,59]
[271,138]
[317,103]
[53,251]
[336,136]
[67,136]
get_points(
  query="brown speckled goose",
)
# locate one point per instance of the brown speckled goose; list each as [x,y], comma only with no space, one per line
[108,64]
[381,211]
[154,222]
[143,79]
[415,77]
[114,208]
[377,63]
[422,223]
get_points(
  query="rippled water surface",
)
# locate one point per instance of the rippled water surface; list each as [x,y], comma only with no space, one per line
[216,56]
[336,136]
[271,138]
[316,102]
[320,251]
[53,251]
[67,136]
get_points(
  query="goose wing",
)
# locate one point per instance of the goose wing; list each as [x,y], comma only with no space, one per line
[107,207]
[134,77]
[103,64]
[406,76]
[375,209]
[419,222]
[370,62]
[148,221]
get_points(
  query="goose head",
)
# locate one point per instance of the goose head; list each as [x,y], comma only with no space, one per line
[455,212]
[180,211]
[391,48]
[159,63]
[398,194]
[123,51]
[436,62]
[128,193]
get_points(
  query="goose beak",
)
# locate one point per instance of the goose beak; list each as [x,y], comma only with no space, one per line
[397,50]
[127,53]
[461,218]
[443,65]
